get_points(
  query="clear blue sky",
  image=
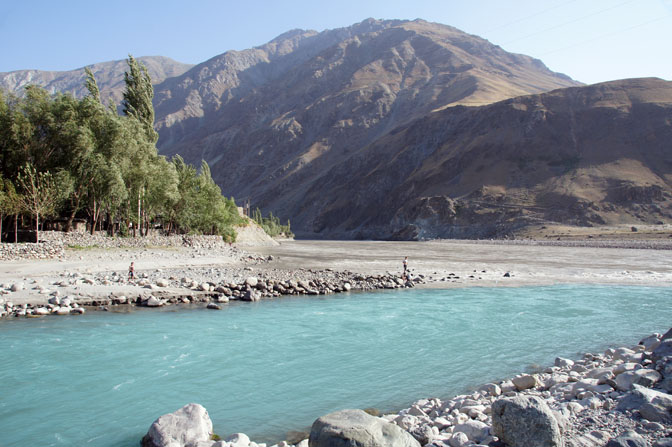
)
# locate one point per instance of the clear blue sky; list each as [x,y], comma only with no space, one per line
[591,41]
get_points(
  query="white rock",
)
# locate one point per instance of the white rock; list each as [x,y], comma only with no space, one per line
[623,367]
[153,301]
[41,311]
[564,363]
[524,382]
[475,430]
[491,389]
[16,287]
[54,300]
[252,281]
[458,439]
[161,282]
[507,386]
[623,353]
[78,310]
[238,440]
[651,342]
[63,310]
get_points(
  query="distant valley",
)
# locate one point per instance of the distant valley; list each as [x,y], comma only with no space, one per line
[408,130]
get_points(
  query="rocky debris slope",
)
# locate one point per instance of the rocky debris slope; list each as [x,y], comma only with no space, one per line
[618,398]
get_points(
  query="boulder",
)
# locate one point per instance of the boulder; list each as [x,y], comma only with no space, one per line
[524,382]
[213,306]
[355,428]
[252,295]
[476,431]
[187,426]
[16,287]
[564,363]
[645,377]
[152,301]
[459,439]
[652,405]
[651,342]
[628,439]
[525,421]
[252,281]
[161,282]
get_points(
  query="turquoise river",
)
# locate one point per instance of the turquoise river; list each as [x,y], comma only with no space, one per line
[266,368]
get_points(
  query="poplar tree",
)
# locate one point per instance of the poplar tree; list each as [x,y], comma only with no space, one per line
[138,97]
[92,85]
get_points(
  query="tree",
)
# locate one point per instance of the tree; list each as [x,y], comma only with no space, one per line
[40,194]
[10,205]
[138,97]
[92,85]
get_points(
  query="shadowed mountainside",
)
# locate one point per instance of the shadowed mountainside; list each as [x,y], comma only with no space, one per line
[582,156]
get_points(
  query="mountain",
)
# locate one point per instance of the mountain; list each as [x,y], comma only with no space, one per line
[598,154]
[275,120]
[109,75]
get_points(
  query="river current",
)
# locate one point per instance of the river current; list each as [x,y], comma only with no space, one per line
[266,368]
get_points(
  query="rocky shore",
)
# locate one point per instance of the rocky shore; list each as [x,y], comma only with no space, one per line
[163,288]
[617,398]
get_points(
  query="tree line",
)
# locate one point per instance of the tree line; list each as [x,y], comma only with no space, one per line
[66,157]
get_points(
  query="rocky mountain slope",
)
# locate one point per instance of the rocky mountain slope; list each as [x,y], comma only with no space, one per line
[583,156]
[274,120]
[109,75]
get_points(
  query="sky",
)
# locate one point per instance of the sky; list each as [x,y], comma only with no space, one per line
[589,40]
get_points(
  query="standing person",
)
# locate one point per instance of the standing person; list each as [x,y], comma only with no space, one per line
[131,271]
[405,267]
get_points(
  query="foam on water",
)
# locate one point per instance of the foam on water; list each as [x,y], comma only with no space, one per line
[264,368]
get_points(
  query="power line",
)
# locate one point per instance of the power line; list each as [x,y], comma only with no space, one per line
[569,22]
[522,19]
[603,36]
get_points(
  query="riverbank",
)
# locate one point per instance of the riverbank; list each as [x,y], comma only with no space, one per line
[616,398]
[95,271]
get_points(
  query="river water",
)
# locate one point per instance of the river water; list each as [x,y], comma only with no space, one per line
[265,368]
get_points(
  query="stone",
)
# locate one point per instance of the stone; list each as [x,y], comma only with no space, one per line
[252,295]
[645,377]
[63,310]
[524,382]
[238,440]
[161,282]
[17,287]
[628,439]
[651,342]
[41,311]
[664,442]
[662,351]
[355,428]
[54,300]
[652,405]
[525,421]
[78,310]
[623,353]
[564,363]
[213,306]
[475,430]
[458,439]
[152,301]
[491,389]
[187,426]
[252,281]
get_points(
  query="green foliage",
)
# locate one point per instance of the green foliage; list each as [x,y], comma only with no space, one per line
[40,194]
[271,224]
[92,160]
[138,97]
